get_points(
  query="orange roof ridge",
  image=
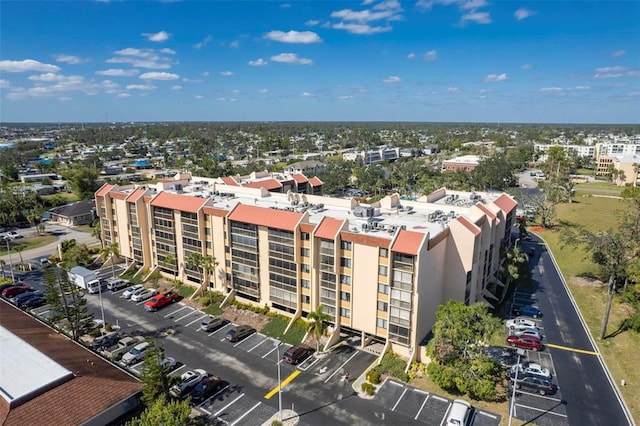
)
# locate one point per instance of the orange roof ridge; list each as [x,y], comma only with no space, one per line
[180,202]
[262,216]
[408,242]
[328,228]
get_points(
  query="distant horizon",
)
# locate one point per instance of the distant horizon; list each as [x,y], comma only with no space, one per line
[463,61]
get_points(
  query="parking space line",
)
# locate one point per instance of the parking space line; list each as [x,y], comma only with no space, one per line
[284,383]
[261,342]
[184,316]
[446,413]
[196,320]
[487,414]
[538,409]
[439,398]
[245,414]
[241,341]
[422,406]
[179,368]
[393,382]
[399,399]
[566,348]
[265,355]
[538,395]
[213,396]
[220,329]
[206,411]
[306,367]
[176,311]
[228,405]
[340,368]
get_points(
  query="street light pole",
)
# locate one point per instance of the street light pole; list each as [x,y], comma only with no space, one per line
[515,377]
[277,345]
[13,278]
[104,324]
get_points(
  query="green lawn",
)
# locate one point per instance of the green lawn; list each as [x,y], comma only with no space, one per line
[28,243]
[278,324]
[599,184]
[67,196]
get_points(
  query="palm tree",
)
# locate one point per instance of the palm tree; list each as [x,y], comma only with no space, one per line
[317,325]
[205,264]
[2,264]
[110,251]
[96,231]
[170,261]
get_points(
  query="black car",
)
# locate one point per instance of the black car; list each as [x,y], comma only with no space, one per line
[296,354]
[34,302]
[106,341]
[21,298]
[536,384]
[240,332]
[208,387]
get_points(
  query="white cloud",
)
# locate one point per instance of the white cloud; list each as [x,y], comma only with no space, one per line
[618,53]
[291,58]
[117,72]
[311,23]
[303,37]
[472,4]
[285,5]
[27,65]
[49,84]
[345,97]
[453,90]
[168,51]
[526,66]
[48,77]
[363,29]
[123,95]
[263,91]
[141,87]
[392,79]
[477,17]
[307,95]
[388,10]
[552,89]
[204,42]
[64,98]
[68,59]
[4,84]
[234,44]
[159,76]
[227,73]
[616,72]
[523,13]
[496,77]
[258,63]
[431,55]
[176,87]
[582,88]
[411,55]
[198,97]
[611,69]
[141,58]
[157,37]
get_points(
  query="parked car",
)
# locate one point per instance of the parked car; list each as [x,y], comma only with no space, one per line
[212,323]
[208,387]
[143,294]
[187,382]
[19,299]
[105,341]
[240,332]
[459,413]
[525,342]
[161,300]
[532,369]
[296,354]
[131,290]
[531,251]
[534,384]
[14,235]
[115,284]
[33,302]
[531,332]
[13,291]
[44,262]
[513,323]
[7,285]
[168,364]
[135,355]
[527,311]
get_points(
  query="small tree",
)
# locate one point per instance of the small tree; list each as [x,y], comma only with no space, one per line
[68,299]
[110,251]
[156,379]
[164,411]
[318,325]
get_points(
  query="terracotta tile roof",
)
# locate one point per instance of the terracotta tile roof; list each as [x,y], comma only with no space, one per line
[300,178]
[486,211]
[215,211]
[314,181]
[118,195]
[60,405]
[307,227]
[506,203]
[328,228]
[364,239]
[135,195]
[469,225]
[104,189]
[267,184]
[262,216]
[408,242]
[184,203]
[228,180]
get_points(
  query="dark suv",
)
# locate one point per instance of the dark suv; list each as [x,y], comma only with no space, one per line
[534,384]
[296,354]
[239,333]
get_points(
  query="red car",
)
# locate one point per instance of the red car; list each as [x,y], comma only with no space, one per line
[161,300]
[16,290]
[525,342]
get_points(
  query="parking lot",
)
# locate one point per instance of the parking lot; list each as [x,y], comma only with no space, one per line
[543,410]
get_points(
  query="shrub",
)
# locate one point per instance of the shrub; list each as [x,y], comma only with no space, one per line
[367,388]
[393,365]
[95,332]
[417,369]
[276,423]
[374,376]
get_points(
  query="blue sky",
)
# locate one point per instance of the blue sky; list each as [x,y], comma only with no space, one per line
[424,60]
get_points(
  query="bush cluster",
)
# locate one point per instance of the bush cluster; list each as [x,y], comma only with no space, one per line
[374,376]
[367,388]
[393,365]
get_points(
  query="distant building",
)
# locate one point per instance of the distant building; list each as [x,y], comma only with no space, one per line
[625,169]
[462,163]
[78,213]
[376,155]
[308,167]
[29,178]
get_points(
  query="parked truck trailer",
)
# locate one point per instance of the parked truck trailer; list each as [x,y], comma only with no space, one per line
[84,278]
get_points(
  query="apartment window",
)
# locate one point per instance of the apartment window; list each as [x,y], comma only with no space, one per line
[207,231]
[208,244]
[227,263]
[345,296]
[383,306]
[305,252]
[304,236]
[305,267]
[383,288]
[306,284]
[382,270]
[381,322]
[345,261]
[345,245]
[306,299]
[383,252]
[344,312]
[345,279]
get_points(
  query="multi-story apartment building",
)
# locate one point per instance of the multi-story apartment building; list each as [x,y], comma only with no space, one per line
[379,270]
[463,163]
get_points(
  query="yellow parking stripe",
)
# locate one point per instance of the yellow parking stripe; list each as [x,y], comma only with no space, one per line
[283,384]
[565,348]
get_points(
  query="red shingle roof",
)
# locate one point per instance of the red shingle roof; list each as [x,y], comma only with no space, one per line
[267,184]
[184,203]
[300,178]
[328,228]
[408,242]
[364,239]
[314,181]
[135,195]
[506,203]
[262,216]
[486,211]
[118,195]
[212,211]
[104,189]
[228,180]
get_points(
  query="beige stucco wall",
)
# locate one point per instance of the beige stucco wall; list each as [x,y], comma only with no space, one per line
[263,252]
[460,256]
[364,288]
[122,228]
[428,292]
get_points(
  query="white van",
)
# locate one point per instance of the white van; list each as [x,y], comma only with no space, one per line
[459,413]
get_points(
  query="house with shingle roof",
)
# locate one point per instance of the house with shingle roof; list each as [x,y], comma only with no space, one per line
[74,214]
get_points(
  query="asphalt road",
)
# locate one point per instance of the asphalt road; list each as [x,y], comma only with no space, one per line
[587,393]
